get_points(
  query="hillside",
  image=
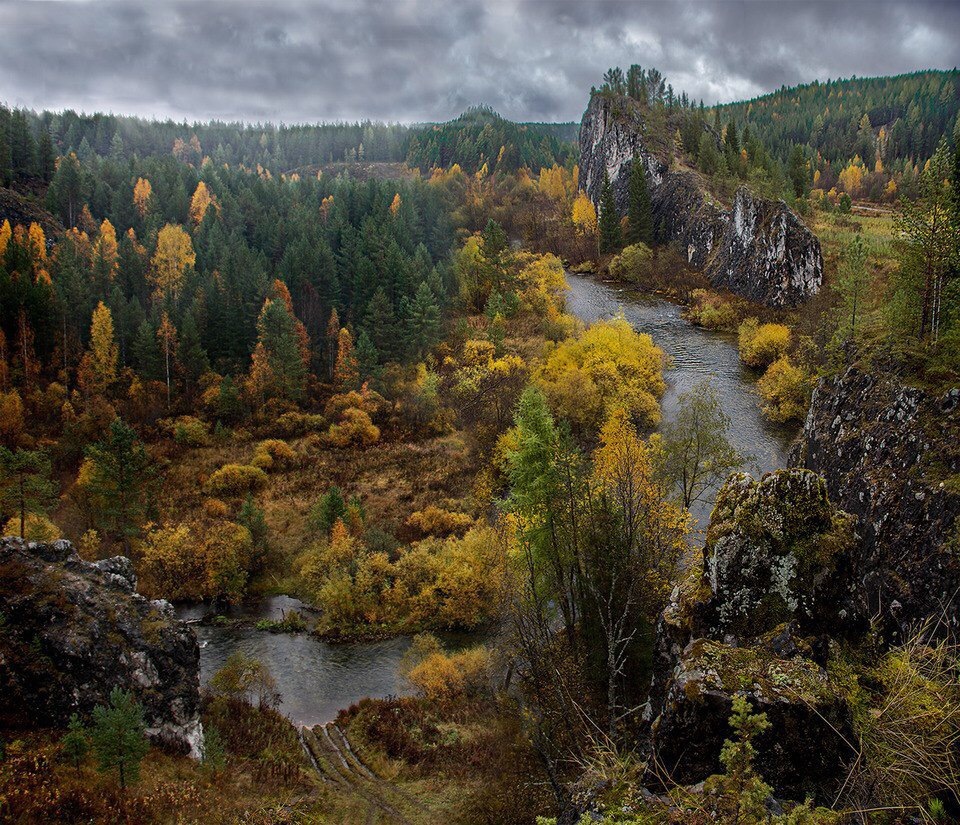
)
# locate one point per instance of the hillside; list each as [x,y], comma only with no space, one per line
[890,119]
[482,136]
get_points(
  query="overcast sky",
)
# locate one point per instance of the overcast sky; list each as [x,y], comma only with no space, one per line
[413,60]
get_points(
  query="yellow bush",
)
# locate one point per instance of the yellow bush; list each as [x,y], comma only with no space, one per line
[292,424]
[189,431]
[235,480]
[784,389]
[435,521]
[274,453]
[365,399]
[610,365]
[633,264]
[445,678]
[195,561]
[36,527]
[711,310]
[355,428]
[762,344]
[216,508]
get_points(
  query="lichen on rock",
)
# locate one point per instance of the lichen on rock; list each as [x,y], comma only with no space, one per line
[74,630]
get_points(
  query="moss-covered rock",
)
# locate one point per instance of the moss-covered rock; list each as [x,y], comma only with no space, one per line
[777,550]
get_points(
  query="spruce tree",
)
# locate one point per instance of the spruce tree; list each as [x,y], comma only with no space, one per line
[423,321]
[639,208]
[118,735]
[380,325]
[25,484]
[119,479]
[610,236]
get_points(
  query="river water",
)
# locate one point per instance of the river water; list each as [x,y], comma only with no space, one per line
[695,354]
[316,679]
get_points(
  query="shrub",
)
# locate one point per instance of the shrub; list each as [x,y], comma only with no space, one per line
[633,264]
[364,399]
[235,480]
[354,429]
[762,344]
[711,311]
[292,424]
[435,521]
[608,366]
[446,678]
[216,508]
[274,453]
[784,389]
[36,527]
[244,677]
[189,431]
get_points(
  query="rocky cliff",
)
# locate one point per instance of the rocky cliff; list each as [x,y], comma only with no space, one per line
[72,631]
[754,619]
[757,248]
[890,455]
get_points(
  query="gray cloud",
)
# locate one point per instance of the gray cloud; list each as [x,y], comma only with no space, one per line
[409,60]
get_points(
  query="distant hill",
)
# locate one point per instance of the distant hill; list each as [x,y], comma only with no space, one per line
[894,118]
[480,135]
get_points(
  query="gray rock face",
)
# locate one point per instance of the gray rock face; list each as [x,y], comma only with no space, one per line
[72,631]
[753,620]
[758,248]
[890,455]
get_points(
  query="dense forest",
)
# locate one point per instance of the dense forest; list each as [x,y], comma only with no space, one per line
[256,380]
[29,142]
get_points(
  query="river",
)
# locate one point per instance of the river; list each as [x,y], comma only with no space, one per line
[695,354]
[316,679]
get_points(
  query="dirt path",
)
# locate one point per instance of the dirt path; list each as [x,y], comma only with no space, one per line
[338,765]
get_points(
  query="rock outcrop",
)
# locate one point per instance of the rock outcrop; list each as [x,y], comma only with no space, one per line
[74,630]
[753,619]
[758,248]
[890,455]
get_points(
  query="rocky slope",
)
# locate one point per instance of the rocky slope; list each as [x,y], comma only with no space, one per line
[758,248]
[754,619]
[72,631]
[890,455]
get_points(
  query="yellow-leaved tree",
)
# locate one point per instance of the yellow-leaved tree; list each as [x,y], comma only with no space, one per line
[98,369]
[174,253]
[609,366]
[629,575]
[201,201]
[142,193]
[105,256]
[584,214]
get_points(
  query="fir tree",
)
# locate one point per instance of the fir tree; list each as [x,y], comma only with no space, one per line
[423,321]
[118,736]
[25,484]
[639,208]
[609,222]
[118,481]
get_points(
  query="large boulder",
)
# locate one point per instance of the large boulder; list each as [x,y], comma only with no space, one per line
[890,455]
[756,247]
[74,630]
[755,618]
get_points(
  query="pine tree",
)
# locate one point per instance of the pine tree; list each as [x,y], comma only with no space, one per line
[118,480]
[277,335]
[119,736]
[146,352]
[76,743]
[609,222]
[190,353]
[380,325]
[25,484]
[639,208]
[797,170]
[423,321]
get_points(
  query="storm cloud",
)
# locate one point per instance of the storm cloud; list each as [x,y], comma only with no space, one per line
[415,60]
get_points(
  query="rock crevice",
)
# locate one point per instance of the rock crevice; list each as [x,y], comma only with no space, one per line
[758,248]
